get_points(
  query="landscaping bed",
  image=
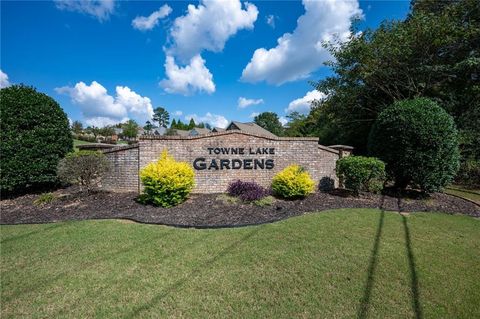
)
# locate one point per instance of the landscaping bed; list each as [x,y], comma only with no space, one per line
[209,210]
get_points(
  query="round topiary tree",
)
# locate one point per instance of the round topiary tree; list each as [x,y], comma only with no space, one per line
[34,136]
[417,139]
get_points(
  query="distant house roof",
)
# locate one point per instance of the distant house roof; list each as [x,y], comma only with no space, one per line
[180,132]
[159,131]
[198,131]
[218,129]
[249,127]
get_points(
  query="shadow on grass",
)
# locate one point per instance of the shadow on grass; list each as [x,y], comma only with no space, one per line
[34,232]
[415,292]
[177,285]
[417,307]
[42,283]
[365,303]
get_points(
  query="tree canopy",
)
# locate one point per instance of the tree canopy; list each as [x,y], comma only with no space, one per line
[433,53]
[161,116]
[270,122]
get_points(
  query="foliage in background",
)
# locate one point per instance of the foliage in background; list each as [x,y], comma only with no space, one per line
[270,122]
[148,126]
[166,182]
[83,168]
[34,136]
[433,53]
[246,191]
[161,116]
[293,182]
[469,174]
[84,137]
[130,129]
[417,139]
[360,173]
[77,127]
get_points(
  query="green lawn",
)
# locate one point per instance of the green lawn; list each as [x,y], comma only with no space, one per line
[78,142]
[472,194]
[336,264]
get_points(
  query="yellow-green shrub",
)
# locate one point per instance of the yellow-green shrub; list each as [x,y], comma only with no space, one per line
[294,181]
[167,182]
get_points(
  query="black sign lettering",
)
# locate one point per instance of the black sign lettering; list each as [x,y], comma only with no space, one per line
[236,164]
[199,164]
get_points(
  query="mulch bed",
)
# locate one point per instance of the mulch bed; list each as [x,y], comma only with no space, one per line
[209,210]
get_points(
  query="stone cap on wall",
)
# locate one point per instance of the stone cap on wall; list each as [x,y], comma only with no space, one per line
[342,147]
[120,148]
[95,146]
[222,133]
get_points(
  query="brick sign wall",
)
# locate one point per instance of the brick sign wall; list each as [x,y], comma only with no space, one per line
[123,174]
[220,158]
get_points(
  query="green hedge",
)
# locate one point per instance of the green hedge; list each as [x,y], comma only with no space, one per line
[34,136]
[360,173]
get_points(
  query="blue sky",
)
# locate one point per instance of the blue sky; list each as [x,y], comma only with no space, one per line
[215,61]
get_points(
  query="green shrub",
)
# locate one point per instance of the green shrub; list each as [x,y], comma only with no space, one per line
[34,136]
[360,173]
[293,182]
[45,198]
[265,201]
[83,168]
[167,182]
[227,199]
[417,140]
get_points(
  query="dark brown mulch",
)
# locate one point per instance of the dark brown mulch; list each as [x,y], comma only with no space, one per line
[208,210]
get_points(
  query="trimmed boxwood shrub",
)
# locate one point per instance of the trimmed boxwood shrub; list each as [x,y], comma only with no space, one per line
[246,191]
[417,140]
[293,182]
[166,182]
[360,173]
[34,136]
[83,168]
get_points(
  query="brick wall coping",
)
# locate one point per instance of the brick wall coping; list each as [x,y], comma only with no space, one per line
[120,148]
[343,147]
[215,134]
[328,149]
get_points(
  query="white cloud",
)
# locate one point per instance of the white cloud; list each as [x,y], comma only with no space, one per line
[137,106]
[101,121]
[301,52]
[3,80]
[304,104]
[194,77]
[213,119]
[100,9]
[206,26]
[253,115]
[283,120]
[270,19]
[148,23]
[244,102]
[178,113]
[100,109]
